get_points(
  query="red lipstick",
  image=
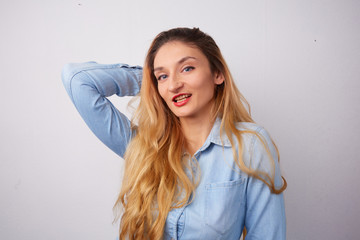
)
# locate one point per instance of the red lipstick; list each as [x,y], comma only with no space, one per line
[181,99]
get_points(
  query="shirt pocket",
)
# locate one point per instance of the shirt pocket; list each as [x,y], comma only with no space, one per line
[223,203]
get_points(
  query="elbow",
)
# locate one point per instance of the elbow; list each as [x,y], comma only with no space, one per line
[68,72]
[71,69]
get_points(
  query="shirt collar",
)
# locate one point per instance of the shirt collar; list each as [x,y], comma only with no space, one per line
[214,136]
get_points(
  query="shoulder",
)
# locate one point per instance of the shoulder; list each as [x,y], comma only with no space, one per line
[259,150]
[253,132]
[243,126]
[249,132]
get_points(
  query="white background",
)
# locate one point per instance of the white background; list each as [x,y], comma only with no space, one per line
[297,63]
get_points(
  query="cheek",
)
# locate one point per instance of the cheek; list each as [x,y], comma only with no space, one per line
[202,81]
[207,86]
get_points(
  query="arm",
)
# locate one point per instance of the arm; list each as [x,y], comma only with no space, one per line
[265,211]
[89,85]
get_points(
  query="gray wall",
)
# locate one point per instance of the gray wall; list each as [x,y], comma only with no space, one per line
[297,62]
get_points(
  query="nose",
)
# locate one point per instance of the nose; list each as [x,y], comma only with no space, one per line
[175,84]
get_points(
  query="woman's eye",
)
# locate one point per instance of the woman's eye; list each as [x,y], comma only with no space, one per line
[161,77]
[188,69]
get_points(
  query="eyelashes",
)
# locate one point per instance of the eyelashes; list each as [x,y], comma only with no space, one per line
[188,69]
[184,70]
[161,77]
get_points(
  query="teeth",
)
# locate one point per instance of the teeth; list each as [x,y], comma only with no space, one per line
[182,97]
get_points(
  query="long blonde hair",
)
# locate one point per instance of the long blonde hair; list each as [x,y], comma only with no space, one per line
[155,179]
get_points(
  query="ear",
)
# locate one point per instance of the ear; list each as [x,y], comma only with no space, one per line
[219,78]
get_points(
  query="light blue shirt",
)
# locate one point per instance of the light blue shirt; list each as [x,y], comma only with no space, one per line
[226,198]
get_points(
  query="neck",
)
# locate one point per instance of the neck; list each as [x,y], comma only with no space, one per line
[195,132]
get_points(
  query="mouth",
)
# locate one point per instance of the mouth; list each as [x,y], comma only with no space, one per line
[180,97]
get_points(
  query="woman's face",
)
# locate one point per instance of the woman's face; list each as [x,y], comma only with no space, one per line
[185,80]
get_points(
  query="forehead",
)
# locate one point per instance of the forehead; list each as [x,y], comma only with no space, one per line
[172,52]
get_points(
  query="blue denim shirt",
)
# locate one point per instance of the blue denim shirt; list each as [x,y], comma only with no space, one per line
[226,198]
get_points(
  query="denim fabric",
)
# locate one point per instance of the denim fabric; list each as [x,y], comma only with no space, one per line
[226,198]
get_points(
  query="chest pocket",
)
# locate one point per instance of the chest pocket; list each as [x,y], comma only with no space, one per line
[223,206]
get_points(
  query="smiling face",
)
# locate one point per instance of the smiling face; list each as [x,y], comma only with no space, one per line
[185,80]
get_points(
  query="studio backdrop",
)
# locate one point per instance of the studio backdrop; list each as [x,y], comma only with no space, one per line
[295,61]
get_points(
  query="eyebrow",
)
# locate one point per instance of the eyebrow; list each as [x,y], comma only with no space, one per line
[179,62]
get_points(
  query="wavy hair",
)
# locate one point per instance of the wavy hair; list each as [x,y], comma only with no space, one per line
[155,179]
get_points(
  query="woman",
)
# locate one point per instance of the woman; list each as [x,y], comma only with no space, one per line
[196,164]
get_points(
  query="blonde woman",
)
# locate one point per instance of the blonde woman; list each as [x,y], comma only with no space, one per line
[196,164]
